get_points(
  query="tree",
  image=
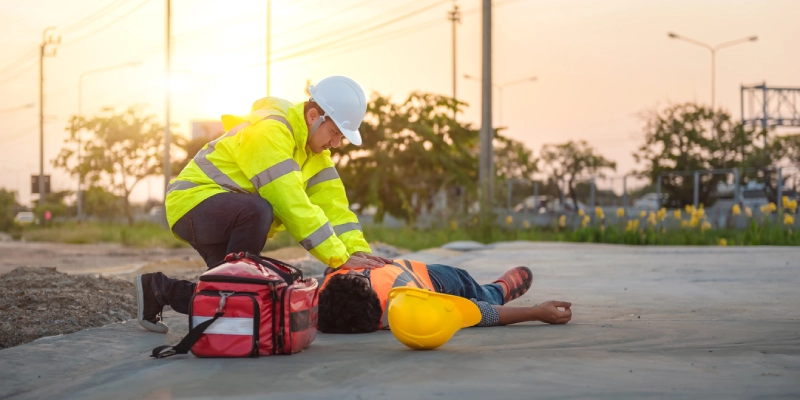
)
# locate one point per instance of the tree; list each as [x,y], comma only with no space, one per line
[411,151]
[414,151]
[101,203]
[574,161]
[8,210]
[687,137]
[118,151]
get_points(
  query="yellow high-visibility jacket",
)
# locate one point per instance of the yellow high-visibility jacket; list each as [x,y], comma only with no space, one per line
[264,153]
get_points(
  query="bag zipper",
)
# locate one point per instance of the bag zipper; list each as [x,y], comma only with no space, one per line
[283,324]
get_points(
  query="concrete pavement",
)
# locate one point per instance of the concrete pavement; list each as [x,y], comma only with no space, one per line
[649,322]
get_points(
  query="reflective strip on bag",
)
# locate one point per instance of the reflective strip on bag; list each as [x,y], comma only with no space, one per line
[344,228]
[327,174]
[226,325]
[276,171]
[320,235]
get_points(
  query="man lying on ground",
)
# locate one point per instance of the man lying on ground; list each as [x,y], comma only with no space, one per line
[354,301]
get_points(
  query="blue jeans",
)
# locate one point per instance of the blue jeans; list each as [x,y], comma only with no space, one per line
[457,282]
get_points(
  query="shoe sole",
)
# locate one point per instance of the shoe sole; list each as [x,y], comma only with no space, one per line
[158,327]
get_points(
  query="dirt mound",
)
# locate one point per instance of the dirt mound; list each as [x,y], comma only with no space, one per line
[38,301]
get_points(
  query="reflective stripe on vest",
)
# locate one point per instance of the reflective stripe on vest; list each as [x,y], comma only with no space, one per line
[344,228]
[224,181]
[180,185]
[326,174]
[320,235]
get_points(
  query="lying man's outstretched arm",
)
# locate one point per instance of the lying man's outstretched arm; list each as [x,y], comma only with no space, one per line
[549,312]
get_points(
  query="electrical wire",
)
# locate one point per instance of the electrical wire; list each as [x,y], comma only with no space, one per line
[16,108]
[114,21]
[15,64]
[23,72]
[95,16]
[357,33]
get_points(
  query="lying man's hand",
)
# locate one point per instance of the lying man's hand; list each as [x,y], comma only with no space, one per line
[550,313]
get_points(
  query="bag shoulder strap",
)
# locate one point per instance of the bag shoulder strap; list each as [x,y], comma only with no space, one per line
[187,342]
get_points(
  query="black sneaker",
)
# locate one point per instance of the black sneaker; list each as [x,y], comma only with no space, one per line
[149,307]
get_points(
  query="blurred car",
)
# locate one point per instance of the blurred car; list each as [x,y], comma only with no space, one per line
[650,201]
[547,204]
[25,218]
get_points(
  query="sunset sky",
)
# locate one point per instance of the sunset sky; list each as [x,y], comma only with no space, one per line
[599,63]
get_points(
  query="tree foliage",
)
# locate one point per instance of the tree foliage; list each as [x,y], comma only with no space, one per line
[414,150]
[118,150]
[574,161]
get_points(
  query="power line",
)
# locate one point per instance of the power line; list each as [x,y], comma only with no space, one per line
[14,64]
[102,12]
[24,71]
[326,17]
[358,33]
[16,108]
[114,21]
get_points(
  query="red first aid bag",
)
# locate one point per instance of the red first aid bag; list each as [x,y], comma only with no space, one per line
[249,306]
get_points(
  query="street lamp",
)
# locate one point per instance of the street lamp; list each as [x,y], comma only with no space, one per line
[713,50]
[500,88]
[80,114]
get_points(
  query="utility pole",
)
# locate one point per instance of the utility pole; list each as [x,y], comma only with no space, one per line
[167,69]
[46,40]
[486,173]
[269,41]
[455,17]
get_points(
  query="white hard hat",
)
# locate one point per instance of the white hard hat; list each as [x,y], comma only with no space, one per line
[344,102]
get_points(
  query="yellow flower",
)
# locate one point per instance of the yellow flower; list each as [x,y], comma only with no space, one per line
[581,213]
[723,242]
[684,224]
[736,210]
[652,218]
[620,212]
[748,211]
[585,221]
[562,221]
[785,201]
[509,220]
[642,214]
[689,208]
[765,209]
[453,224]
[792,206]
[694,222]
[788,219]
[632,225]
[526,224]
[706,225]
[677,214]
[772,207]
[662,214]
[599,213]
[699,213]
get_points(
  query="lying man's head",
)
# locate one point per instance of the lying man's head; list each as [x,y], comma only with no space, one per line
[349,305]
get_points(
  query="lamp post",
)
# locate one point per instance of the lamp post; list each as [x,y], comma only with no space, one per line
[713,50]
[500,88]
[80,114]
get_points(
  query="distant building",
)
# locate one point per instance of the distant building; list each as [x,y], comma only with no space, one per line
[207,130]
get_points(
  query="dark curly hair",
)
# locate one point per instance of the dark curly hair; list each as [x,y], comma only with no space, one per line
[349,305]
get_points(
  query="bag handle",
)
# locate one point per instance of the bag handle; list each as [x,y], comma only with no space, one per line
[293,275]
[187,342]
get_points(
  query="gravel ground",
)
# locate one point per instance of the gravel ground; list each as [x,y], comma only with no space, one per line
[39,301]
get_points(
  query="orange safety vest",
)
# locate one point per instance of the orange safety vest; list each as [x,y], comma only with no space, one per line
[399,273]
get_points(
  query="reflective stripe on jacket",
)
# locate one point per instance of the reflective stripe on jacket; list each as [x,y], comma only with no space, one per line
[399,273]
[265,153]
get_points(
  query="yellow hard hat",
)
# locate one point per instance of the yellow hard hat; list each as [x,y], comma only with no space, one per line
[421,319]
